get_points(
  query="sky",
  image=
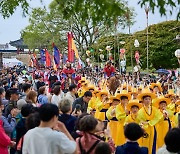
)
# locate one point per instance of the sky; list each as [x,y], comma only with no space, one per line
[10,28]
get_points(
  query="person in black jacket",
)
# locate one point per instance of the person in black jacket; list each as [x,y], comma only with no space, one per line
[69,120]
[40,82]
[132,132]
[21,125]
[52,78]
[83,102]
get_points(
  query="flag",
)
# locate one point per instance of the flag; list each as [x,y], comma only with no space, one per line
[65,58]
[70,51]
[43,57]
[48,58]
[54,64]
[56,55]
[75,49]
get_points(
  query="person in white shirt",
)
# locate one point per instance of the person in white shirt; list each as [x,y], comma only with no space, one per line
[71,93]
[57,96]
[172,142]
[51,137]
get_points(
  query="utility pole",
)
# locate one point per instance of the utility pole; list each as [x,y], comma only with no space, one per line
[147,33]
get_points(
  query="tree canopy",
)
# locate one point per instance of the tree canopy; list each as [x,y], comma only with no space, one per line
[161,45]
[49,24]
[8,7]
[164,6]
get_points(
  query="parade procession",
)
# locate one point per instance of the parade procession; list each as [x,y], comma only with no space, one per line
[89,77]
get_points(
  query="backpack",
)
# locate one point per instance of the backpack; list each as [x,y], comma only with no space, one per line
[90,149]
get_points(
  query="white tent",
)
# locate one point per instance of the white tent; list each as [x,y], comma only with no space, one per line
[11,62]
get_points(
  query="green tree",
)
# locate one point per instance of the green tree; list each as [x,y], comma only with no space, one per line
[52,23]
[42,31]
[7,7]
[161,45]
[164,6]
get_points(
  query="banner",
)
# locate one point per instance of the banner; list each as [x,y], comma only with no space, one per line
[48,58]
[70,51]
[56,55]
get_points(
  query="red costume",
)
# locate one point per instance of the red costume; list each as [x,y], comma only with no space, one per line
[109,70]
[68,71]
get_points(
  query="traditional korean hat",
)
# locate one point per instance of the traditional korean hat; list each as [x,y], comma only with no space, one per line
[170,93]
[134,91]
[103,92]
[134,102]
[116,97]
[96,91]
[124,93]
[178,102]
[90,86]
[157,84]
[146,92]
[160,99]
[85,83]
[83,79]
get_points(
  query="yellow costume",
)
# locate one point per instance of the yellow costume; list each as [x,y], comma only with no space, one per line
[120,116]
[113,124]
[132,117]
[149,120]
[175,117]
[164,125]
[102,105]
[162,128]
[83,89]
[148,117]
[171,107]
[117,120]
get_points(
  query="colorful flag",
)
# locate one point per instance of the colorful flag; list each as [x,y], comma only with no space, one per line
[54,64]
[56,55]
[43,57]
[65,58]
[75,49]
[48,58]
[70,51]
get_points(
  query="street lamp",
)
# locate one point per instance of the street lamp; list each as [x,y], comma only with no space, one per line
[147,13]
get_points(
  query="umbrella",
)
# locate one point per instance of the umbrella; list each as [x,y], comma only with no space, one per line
[162,71]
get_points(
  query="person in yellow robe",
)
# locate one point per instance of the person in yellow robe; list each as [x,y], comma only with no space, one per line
[111,116]
[172,96]
[92,103]
[133,107]
[165,124]
[148,116]
[157,89]
[175,118]
[83,89]
[119,112]
[102,105]
[134,93]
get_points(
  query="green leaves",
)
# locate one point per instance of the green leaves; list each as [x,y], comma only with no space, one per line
[88,20]
[7,7]
[99,10]
[164,6]
[161,45]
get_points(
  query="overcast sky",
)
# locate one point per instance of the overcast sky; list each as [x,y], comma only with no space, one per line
[10,28]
